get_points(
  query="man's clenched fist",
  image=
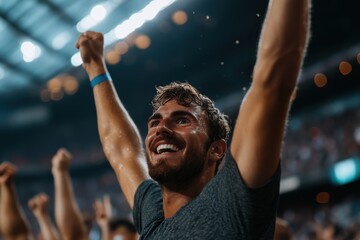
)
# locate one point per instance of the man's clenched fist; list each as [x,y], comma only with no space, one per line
[91,46]
[7,173]
[61,160]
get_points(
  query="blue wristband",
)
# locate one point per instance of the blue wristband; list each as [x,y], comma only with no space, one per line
[99,79]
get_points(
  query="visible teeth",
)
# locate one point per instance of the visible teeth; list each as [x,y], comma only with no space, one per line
[166,146]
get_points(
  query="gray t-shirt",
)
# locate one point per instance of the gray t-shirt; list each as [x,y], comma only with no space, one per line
[225,209]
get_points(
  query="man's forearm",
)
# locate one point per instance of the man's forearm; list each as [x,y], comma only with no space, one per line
[67,214]
[47,228]
[120,139]
[105,233]
[284,36]
[12,221]
[118,133]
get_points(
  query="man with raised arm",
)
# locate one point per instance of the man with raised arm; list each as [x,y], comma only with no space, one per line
[186,141]
[67,214]
[13,223]
[39,205]
[112,228]
[103,214]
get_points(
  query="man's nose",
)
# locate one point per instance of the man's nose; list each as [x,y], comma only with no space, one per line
[164,127]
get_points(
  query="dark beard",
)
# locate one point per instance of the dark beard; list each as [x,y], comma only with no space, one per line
[178,176]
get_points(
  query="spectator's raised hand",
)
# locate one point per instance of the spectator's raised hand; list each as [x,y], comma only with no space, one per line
[103,215]
[39,205]
[61,160]
[103,211]
[7,173]
[13,222]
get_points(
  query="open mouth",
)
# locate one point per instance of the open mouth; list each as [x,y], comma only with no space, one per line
[166,148]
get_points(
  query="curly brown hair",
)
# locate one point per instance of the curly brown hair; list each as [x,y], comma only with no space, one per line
[187,95]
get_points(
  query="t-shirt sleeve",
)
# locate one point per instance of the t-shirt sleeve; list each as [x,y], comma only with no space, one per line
[148,209]
[252,210]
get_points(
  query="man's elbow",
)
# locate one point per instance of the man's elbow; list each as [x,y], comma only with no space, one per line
[278,73]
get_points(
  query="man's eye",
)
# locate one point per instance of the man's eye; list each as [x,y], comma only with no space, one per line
[182,121]
[153,123]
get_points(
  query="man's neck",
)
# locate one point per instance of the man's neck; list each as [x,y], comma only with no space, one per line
[175,198]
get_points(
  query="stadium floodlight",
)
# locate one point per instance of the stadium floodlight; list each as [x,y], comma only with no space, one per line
[30,51]
[97,14]
[125,28]
[76,59]
[61,40]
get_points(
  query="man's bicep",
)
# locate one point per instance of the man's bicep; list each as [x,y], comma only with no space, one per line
[258,134]
[131,172]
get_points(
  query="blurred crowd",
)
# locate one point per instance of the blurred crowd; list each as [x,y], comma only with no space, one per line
[317,142]
[340,221]
[312,143]
[70,222]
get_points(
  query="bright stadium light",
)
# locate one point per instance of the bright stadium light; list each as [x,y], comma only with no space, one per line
[30,51]
[28,48]
[136,20]
[85,24]
[98,12]
[61,40]
[76,60]
[125,28]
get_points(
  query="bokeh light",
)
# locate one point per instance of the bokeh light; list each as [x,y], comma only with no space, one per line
[323,197]
[180,17]
[56,96]
[121,48]
[320,80]
[112,57]
[98,12]
[54,85]
[345,68]
[142,42]
[70,85]
[45,95]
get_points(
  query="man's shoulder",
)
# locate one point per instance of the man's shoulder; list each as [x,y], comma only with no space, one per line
[147,187]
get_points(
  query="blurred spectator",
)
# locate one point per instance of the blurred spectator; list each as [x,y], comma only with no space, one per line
[340,221]
[39,205]
[282,230]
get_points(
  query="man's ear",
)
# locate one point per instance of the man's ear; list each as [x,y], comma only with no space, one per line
[217,150]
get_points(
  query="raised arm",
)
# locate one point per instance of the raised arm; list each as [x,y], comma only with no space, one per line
[259,130]
[67,214]
[39,205]
[103,215]
[13,223]
[118,134]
